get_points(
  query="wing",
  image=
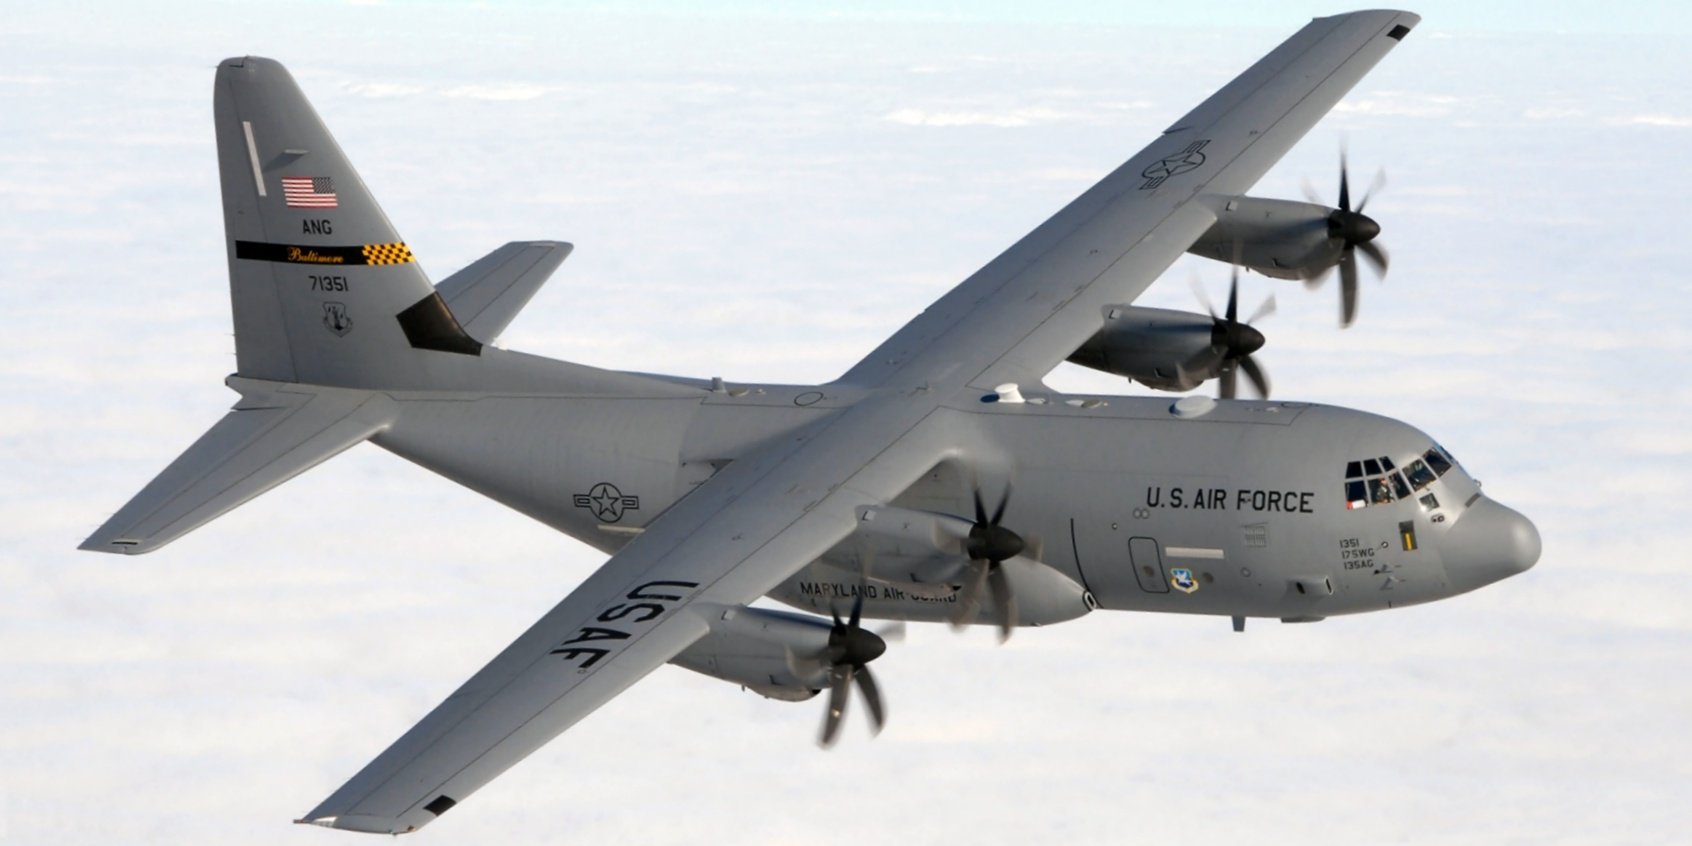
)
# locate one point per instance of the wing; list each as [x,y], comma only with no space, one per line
[727,543]
[1028,309]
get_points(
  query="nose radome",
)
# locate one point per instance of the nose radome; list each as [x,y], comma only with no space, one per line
[1490,542]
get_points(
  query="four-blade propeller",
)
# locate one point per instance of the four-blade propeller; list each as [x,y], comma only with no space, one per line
[1232,341]
[988,546]
[846,657]
[1352,232]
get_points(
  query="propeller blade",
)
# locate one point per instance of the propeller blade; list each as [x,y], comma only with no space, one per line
[1225,387]
[1004,602]
[969,602]
[1203,298]
[840,682]
[857,608]
[1377,256]
[1234,296]
[1259,380]
[1345,184]
[1265,310]
[1310,192]
[892,632]
[980,508]
[1004,501]
[1348,287]
[1203,364]
[1378,183]
[872,698]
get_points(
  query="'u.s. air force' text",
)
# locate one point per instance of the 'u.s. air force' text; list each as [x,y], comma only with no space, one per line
[1243,499]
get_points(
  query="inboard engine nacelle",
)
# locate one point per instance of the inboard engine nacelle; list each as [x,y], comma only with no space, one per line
[1159,348]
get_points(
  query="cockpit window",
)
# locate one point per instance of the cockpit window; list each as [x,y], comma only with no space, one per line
[1377,481]
[1420,475]
[1438,461]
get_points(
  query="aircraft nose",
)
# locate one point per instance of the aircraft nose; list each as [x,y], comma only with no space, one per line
[1490,542]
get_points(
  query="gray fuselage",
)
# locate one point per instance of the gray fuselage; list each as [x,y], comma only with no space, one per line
[1242,509]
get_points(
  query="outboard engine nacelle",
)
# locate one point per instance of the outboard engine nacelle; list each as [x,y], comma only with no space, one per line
[1285,239]
[752,647]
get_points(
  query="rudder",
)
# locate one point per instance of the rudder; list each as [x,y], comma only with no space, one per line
[323,289]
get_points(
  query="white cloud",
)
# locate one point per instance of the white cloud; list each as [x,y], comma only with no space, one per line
[380,90]
[1399,104]
[1553,113]
[1014,117]
[497,91]
[1655,119]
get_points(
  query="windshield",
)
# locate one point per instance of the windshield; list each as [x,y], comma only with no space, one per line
[1379,481]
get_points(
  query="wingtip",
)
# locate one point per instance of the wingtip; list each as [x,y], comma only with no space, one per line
[358,823]
[118,546]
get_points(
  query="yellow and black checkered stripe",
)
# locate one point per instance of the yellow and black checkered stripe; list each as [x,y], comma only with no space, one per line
[395,253]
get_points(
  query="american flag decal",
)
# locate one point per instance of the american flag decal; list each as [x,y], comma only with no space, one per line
[308,192]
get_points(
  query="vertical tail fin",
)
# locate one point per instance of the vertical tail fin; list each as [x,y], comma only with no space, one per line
[324,290]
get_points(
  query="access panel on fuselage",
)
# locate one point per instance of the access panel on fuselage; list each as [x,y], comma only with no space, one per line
[1147,560]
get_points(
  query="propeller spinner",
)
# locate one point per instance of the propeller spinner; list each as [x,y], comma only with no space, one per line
[988,546]
[1232,341]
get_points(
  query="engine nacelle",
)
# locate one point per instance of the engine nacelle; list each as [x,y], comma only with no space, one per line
[1285,239]
[1149,345]
[750,647]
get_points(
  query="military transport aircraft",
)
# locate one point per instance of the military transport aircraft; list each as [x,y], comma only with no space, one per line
[939,479]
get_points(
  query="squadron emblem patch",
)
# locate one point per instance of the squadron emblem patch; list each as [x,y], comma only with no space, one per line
[336,320]
[1181,578]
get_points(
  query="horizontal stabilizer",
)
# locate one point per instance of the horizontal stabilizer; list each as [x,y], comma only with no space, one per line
[273,434]
[486,295]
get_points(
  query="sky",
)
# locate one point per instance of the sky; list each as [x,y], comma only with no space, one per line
[763,192]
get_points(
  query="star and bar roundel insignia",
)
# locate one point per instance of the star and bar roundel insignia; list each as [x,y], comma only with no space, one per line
[607,503]
[1187,159]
